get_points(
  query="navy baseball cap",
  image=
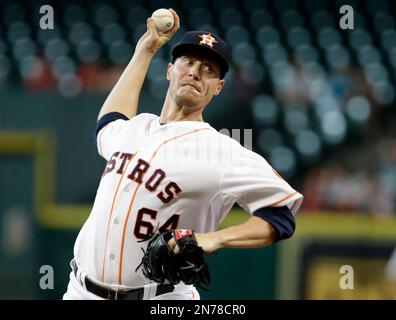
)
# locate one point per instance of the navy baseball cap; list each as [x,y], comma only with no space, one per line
[208,43]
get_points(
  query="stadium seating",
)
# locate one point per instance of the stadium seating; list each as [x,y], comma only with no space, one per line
[314,83]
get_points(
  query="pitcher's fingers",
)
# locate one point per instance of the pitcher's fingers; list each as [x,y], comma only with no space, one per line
[152,28]
[172,245]
[176,25]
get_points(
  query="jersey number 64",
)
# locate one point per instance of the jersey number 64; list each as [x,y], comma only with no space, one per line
[144,228]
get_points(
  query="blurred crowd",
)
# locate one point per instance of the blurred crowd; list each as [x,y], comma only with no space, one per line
[364,181]
[317,94]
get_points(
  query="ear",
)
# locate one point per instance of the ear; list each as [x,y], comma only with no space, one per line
[219,87]
[168,72]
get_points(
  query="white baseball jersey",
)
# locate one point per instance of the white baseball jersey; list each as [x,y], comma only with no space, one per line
[182,174]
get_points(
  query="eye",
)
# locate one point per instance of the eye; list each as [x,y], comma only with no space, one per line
[209,69]
[188,61]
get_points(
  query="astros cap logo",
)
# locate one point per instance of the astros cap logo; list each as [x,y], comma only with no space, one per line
[207,39]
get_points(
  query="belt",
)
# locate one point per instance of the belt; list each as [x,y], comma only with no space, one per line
[110,294]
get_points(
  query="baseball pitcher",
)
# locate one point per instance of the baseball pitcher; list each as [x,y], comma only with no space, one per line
[170,180]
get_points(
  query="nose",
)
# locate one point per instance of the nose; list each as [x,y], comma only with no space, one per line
[193,72]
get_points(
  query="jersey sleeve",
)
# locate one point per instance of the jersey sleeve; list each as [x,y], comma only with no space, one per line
[108,137]
[254,184]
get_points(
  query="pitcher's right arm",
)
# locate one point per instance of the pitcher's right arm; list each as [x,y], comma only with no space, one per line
[124,97]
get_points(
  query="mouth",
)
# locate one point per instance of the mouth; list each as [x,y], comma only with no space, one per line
[192,86]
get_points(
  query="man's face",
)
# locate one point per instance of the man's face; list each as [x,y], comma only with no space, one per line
[194,80]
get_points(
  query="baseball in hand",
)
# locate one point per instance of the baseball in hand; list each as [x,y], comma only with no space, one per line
[163,19]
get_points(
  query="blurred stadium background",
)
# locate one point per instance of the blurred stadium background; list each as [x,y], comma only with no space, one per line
[321,102]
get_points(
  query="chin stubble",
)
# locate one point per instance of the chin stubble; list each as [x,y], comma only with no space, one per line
[183,101]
